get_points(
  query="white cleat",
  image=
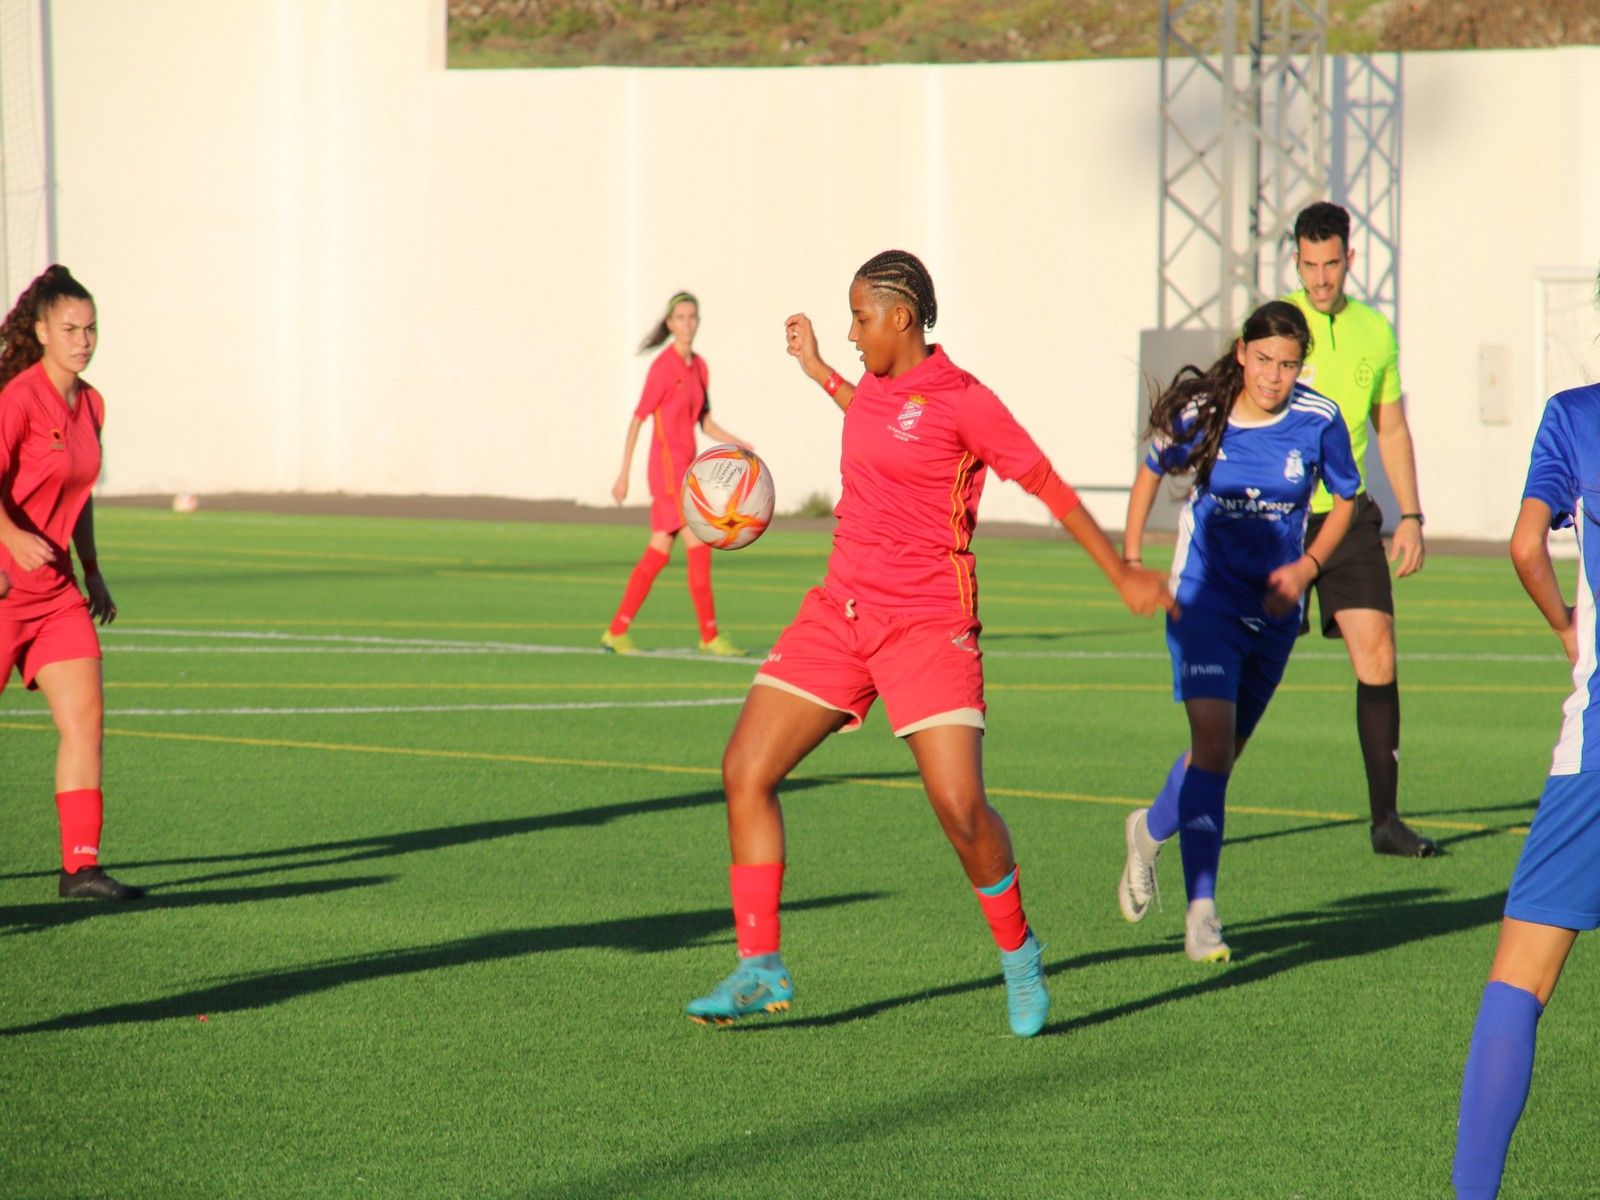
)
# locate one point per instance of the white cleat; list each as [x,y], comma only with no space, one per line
[1202,939]
[1138,887]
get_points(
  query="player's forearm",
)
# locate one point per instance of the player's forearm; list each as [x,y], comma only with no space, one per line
[1141,498]
[840,390]
[1400,464]
[1530,556]
[1332,532]
[1080,523]
[83,536]
[628,445]
[717,432]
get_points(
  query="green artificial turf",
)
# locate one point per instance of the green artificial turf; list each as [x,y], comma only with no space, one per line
[445,953]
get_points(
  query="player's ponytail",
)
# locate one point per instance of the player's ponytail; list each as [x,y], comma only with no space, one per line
[661,333]
[1196,405]
[19,344]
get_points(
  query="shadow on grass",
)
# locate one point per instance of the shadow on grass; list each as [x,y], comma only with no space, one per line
[1062,635]
[1268,947]
[1294,830]
[640,935]
[417,841]
[36,918]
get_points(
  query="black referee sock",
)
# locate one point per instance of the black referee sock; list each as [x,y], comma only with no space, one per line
[1378,724]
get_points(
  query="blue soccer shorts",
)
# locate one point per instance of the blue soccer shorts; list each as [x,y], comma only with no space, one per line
[1216,656]
[1557,881]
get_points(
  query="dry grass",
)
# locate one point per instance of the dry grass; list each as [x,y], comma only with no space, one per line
[766,33]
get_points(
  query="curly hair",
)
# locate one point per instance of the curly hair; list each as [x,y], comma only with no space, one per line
[19,344]
[902,275]
[1196,405]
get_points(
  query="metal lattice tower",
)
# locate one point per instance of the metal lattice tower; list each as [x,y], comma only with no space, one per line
[1244,147]
[1365,173]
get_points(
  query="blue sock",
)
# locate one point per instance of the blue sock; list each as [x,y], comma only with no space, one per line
[1200,804]
[1163,819]
[1494,1088]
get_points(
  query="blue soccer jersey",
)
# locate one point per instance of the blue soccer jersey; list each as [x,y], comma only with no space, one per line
[1251,518]
[1564,472]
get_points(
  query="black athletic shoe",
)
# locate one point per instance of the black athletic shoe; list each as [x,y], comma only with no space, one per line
[1395,837]
[92,883]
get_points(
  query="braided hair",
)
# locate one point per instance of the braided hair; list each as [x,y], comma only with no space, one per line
[900,274]
[1196,405]
[661,333]
[19,344]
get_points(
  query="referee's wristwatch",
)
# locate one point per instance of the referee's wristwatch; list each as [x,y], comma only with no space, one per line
[1417,517]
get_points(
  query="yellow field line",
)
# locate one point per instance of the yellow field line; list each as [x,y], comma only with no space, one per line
[739,685]
[539,760]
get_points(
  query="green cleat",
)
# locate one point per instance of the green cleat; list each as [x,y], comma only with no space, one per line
[721,647]
[759,984]
[618,643]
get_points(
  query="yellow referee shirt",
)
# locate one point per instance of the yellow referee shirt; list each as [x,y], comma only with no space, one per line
[1355,362]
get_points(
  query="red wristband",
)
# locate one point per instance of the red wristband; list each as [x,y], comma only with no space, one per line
[833,383]
[91,566]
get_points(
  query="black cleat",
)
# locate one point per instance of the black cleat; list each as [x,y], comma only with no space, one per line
[1395,837]
[92,883]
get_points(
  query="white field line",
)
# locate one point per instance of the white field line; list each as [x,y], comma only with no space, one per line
[249,642]
[384,709]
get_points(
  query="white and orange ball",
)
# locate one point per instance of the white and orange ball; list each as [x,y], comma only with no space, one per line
[727,497]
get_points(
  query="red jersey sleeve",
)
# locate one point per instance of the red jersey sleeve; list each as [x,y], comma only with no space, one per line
[657,387]
[705,387]
[13,428]
[987,428]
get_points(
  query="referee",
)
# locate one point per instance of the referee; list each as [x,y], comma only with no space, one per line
[1354,361]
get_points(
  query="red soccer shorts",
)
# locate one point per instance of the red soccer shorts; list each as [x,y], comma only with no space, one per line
[928,669]
[666,514]
[36,631]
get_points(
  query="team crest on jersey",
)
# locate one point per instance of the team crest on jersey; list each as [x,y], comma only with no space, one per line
[1364,374]
[910,414]
[1294,467]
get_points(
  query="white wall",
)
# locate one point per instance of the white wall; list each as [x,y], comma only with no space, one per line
[324,262]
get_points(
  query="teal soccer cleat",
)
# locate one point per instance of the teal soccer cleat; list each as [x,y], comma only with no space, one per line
[760,984]
[1027,1001]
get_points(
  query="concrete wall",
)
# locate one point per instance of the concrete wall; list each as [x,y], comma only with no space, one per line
[326,263]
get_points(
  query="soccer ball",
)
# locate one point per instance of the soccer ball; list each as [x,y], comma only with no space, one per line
[727,497]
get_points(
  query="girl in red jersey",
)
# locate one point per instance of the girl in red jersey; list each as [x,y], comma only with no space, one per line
[50,423]
[675,395]
[896,616]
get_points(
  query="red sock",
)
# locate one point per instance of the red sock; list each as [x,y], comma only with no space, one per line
[756,890]
[700,590]
[644,574]
[81,814]
[1004,913]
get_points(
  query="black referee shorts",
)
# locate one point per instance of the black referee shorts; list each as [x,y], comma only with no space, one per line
[1356,574]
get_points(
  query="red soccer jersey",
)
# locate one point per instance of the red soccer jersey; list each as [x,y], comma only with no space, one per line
[675,394]
[49,460]
[915,453]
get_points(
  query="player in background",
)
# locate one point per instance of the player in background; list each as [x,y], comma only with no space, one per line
[1258,444]
[896,616]
[675,396]
[1355,361]
[1556,888]
[50,422]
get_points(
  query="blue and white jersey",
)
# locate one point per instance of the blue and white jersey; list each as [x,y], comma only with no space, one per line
[1564,472]
[1251,519]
